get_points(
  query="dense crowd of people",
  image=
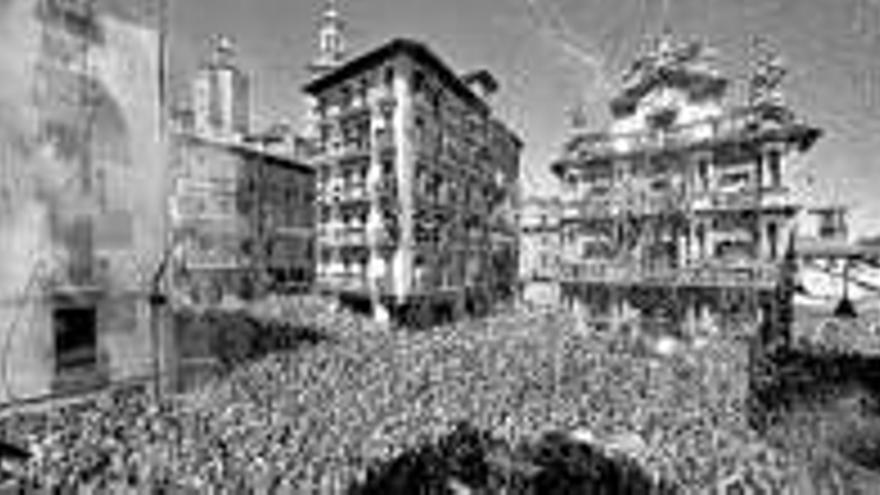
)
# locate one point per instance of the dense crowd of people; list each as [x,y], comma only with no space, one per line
[312,420]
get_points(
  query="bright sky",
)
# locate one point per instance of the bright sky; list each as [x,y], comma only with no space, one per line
[832,48]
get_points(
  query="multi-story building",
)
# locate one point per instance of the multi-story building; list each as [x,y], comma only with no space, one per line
[540,246]
[680,211]
[242,219]
[416,183]
[82,189]
[242,205]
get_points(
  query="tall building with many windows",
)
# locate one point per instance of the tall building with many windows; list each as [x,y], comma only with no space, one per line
[680,212]
[417,184]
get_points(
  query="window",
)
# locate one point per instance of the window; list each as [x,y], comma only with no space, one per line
[703,172]
[772,239]
[389,77]
[701,239]
[418,81]
[76,342]
[345,96]
[419,130]
[774,167]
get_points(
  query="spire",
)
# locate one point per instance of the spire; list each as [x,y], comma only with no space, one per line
[331,40]
[223,51]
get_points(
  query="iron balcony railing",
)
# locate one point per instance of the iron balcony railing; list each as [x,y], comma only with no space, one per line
[757,275]
[638,203]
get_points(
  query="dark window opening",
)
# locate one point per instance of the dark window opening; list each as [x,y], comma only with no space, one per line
[76,341]
[772,239]
[701,240]
[774,164]
[704,173]
[418,82]
[389,77]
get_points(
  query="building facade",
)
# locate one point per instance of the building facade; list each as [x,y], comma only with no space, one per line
[416,184]
[242,221]
[679,213]
[242,205]
[540,248]
[83,184]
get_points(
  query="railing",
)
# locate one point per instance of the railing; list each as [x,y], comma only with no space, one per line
[753,275]
[354,192]
[347,281]
[713,128]
[636,203]
[354,237]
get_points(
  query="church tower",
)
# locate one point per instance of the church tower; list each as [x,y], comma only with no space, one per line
[331,54]
[331,40]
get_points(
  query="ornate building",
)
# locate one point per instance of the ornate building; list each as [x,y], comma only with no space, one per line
[416,183]
[679,213]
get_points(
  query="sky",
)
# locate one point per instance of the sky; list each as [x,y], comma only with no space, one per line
[551,54]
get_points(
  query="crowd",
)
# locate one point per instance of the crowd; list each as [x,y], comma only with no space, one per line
[312,420]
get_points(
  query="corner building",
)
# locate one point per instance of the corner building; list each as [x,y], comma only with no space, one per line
[679,214]
[417,185]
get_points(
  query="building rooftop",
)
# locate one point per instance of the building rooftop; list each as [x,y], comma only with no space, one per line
[245,148]
[415,49]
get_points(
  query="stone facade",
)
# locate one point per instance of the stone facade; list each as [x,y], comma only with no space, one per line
[83,223]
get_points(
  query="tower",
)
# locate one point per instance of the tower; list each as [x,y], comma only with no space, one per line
[221,99]
[331,40]
[331,53]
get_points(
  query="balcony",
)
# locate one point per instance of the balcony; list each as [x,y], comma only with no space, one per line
[638,203]
[354,193]
[355,108]
[382,96]
[354,236]
[588,208]
[757,275]
[740,124]
[654,203]
[343,282]
[744,199]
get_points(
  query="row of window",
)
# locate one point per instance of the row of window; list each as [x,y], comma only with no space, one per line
[349,93]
